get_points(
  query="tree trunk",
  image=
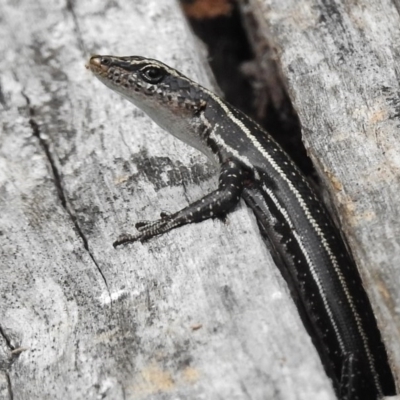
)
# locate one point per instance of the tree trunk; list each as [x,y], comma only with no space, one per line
[201,312]
[340,62]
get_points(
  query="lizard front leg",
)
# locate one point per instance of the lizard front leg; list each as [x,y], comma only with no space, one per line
[215,205]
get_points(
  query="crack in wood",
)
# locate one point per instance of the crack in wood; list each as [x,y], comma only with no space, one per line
[9,386]
[7,361]
[71,9]
[57,181]
[2,98]
[397,5]
[6,338]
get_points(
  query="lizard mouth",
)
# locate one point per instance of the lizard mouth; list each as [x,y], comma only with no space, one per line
[99,64]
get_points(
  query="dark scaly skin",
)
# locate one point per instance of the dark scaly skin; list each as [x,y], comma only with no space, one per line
[294,222]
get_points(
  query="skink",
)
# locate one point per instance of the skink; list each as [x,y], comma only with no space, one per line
[292,219]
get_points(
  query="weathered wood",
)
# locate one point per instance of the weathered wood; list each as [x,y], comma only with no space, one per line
[340,60]
[201,312]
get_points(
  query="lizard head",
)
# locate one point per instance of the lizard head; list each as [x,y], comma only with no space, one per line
[162,92]
[172,100]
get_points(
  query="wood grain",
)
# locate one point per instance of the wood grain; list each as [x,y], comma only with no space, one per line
[201,312]
[340,62]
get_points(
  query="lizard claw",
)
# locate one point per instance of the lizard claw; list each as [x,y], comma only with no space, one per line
[147,229]
[126,238]
[165,214]
[143,225]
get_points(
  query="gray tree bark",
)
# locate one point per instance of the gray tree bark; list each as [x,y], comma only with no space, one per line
[340,62]
[201,312]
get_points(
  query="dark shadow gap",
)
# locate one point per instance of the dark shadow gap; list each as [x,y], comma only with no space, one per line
[249,78]
[245,68]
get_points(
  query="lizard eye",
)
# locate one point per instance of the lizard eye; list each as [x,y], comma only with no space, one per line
[152,74]
[105,61]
